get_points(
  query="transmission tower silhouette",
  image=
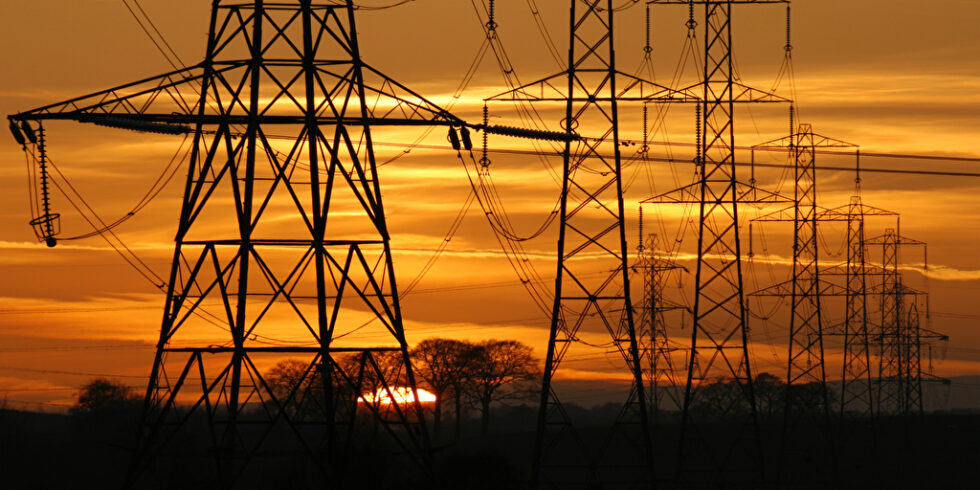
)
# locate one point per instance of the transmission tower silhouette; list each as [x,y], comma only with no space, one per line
[282,250]
[709,454]
[857,400]
[899,389]
[655,344]
[856,443]
[592,290]
[806,411]
[899,338]
[857,389]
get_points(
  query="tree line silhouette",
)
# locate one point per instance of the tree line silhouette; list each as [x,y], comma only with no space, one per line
[470,375]
[462,376]
[482,421]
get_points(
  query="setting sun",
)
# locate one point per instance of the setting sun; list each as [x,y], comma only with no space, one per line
[402,394]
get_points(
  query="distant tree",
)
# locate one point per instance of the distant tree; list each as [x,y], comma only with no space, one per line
[443,366]
[287,376]
[102,396]
[724,396]
[296,379]
[770,394]
[719,398]
[372,371]
[502,370]
[812,395]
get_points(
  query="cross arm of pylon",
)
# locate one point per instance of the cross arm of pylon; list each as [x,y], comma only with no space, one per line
[893,240]
[744,193]
[141,97]
[789,214]
[739,93]
[667,265]
[824,214]
[687,194]
[667,305]
[902,289]
[785,289]
[409,103]
[819,141]
[842,270]
[752,194]
[863,209]
[640,90]
[927,335]
[170,102]
[554,88]
[779,290]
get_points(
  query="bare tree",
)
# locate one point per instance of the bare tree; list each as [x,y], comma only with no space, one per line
[373,373]
[502,370]
[720,398]
[102,396]
[443,366]
[286,377]
[297,386]
[770,394]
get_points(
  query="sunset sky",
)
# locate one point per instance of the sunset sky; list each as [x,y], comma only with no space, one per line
[896,76]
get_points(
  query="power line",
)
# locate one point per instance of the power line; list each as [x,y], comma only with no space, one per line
[515,151]
[71,373]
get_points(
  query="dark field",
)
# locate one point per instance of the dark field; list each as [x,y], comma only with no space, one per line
[54,451]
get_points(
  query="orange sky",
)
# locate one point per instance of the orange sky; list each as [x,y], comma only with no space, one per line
[892,76]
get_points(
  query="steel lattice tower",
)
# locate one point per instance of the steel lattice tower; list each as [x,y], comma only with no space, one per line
[890,372]
[715,455]
[899,390]
[912,352]
[806,413]
[857,399]
[282,232]
[856,438]
[857,377]
[655,344]
[592,291]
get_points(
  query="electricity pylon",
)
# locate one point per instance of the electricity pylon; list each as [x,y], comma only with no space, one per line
[857,437]
[655,344]
[899,389]
[857,399]
[806,412]
[282,250]
[592,291]
[728,455]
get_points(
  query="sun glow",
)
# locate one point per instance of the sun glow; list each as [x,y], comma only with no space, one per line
[400,394]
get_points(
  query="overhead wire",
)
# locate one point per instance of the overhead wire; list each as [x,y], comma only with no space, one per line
[671,159]
[168,53]
[141,266]
[118,245]
[526,110]
[71,373]
[485,188]
[545,34]
[659,125]
[98,224]
[514,252]
[503,231]
[399,3]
